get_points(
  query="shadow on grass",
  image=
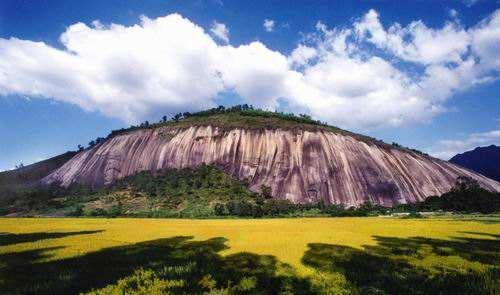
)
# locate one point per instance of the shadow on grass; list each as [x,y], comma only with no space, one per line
[387,267]
[11,239]
[483,220]
[20,259]
[481,234]
[183,265]
[178,265]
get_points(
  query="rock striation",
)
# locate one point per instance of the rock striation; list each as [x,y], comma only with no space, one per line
[301,166]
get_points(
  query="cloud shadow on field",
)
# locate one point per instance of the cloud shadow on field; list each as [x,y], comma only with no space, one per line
[387,268]
[7,239]
[481,234]
[178,264]
[183,265]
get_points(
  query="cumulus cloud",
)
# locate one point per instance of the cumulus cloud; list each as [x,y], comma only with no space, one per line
[268,25]
[486,41]
[416,42]
[125,72]
[220,31]
[351,87]
[169,64]
[301,55]
[255,72]
[445,149]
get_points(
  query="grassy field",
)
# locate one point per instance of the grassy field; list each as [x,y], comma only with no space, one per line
[316,255]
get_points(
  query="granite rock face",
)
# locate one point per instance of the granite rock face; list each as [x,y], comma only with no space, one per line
[301,166]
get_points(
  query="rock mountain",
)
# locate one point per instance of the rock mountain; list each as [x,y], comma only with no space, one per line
[299,162]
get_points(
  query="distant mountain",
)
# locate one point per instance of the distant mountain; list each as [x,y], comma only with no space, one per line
[484,160]
[14,183]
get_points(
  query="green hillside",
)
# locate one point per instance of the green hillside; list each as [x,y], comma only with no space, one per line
[15,183]
[169,193]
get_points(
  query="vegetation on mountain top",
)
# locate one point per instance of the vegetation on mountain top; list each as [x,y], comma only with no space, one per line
[247,117]
[239,116]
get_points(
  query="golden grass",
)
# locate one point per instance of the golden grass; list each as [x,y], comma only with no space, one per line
[287,239]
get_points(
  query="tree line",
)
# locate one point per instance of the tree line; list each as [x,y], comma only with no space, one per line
[466,196]
[242,109]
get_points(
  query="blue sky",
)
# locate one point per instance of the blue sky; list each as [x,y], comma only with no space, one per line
[424,74]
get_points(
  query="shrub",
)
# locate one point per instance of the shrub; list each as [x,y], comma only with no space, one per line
[115,211]
[219,209]
[275,207]
[78,211]
[466,196]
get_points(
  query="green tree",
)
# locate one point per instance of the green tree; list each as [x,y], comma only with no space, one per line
[219,209]
[77,212]
[116,210]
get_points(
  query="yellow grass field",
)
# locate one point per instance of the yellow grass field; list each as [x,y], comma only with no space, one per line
[286,239]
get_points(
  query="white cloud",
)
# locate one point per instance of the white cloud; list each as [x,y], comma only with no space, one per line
[353,92]
[255,72]
[371,27]
[351,87]
[416,42]
[486,41]
[169,64]
[131,72]
[301,55]
[220,31]
[445,149]
[268,25]
[453,13]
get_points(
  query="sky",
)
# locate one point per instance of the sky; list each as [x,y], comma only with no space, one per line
[424,74]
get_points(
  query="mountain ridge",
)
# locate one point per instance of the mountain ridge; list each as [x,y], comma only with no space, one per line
[247,117]
[483,160]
